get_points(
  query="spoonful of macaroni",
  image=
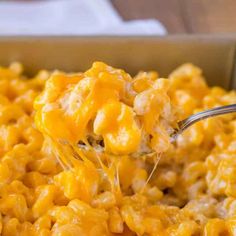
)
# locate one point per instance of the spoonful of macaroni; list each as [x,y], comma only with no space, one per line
[106,110]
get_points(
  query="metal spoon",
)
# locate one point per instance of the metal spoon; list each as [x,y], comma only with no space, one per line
[184,124]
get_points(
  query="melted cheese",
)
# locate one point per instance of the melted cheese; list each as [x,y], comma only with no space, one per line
[102,103]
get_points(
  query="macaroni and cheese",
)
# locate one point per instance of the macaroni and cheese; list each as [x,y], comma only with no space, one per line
[90,154]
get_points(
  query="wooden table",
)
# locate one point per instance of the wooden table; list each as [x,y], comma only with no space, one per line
[183,16]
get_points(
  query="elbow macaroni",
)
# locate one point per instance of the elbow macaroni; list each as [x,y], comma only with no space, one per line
[102,105]
[94,193]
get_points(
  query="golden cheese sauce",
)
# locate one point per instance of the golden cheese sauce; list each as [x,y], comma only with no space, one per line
[74,154]
[103,104]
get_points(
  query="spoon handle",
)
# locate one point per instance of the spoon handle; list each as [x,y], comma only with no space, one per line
[184,124]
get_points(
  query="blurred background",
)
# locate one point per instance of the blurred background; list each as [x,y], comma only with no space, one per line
[183,16]
[116,17]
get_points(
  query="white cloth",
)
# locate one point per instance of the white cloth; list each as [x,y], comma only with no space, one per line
[70,17]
